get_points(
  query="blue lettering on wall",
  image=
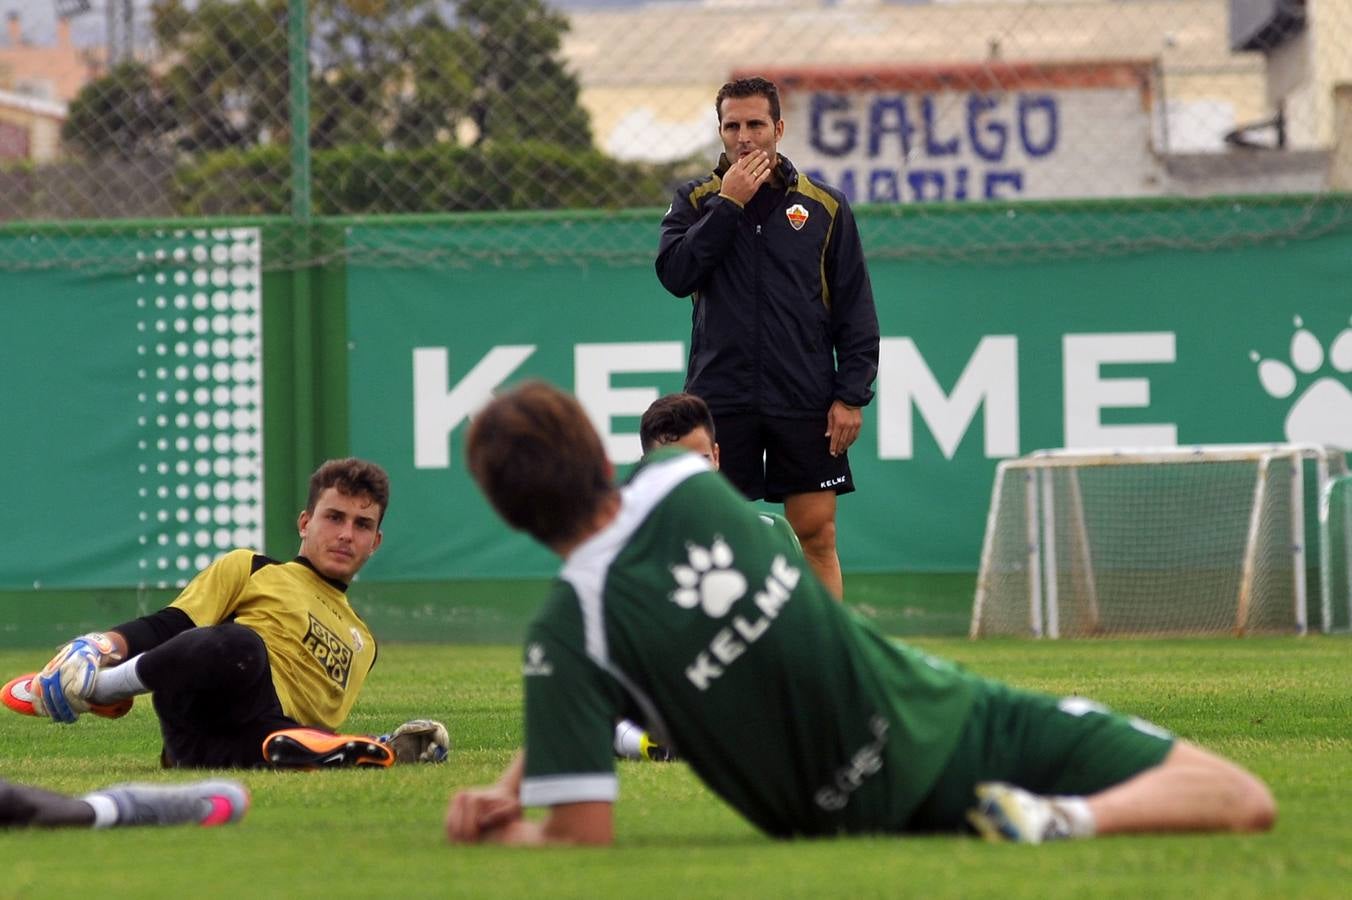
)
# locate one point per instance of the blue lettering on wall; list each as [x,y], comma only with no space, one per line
[1030,109]
[960,183]
[933,146]
[997,181]
[844,182]
[926,185]
[989,146]
[835,125]
[836,137]
[914,148]
[884,185]
[887,116]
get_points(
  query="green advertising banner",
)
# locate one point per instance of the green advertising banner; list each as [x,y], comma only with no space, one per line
[132,398]
[67,401]
[131,407]
[982,360]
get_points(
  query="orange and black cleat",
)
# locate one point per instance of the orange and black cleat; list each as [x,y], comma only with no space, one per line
[311,748]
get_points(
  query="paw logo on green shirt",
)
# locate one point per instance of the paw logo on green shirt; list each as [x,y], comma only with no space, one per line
[707,579]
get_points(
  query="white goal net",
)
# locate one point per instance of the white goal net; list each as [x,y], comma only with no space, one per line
[1159,541]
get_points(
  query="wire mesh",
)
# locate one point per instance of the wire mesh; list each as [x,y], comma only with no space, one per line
[975,128]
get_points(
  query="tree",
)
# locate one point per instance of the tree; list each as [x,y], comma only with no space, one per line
[122,115]
[394,74]
[522,90]
[390,73]
[227,85]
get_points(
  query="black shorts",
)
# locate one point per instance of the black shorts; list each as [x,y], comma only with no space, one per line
[214,696]
[772,458]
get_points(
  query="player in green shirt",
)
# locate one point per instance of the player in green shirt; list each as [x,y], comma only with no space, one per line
[682,420]
[677,607]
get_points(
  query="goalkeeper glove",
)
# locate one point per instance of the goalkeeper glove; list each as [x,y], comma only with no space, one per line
[61,690]
[420,740]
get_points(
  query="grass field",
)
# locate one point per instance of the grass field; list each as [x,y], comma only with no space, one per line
[1283,707]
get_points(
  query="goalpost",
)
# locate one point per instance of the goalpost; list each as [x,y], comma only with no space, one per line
[1335,529]
[1186,540]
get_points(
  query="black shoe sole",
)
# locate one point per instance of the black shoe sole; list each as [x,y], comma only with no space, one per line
[286,752]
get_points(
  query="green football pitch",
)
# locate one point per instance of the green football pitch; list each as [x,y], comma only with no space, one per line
[1282,707]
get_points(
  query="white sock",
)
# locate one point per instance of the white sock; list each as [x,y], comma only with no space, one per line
[628,738]
[1076,814]
[117,683]
[105,810]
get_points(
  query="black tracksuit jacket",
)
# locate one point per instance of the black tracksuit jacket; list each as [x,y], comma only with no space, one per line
[783,320]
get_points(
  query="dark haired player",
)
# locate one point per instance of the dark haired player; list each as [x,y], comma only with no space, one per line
[257,661]
[675,604]
[682,420]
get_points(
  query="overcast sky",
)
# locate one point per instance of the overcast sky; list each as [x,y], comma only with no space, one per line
[39,20]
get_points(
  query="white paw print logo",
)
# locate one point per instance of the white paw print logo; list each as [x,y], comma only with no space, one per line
[1322,412]
[708,579]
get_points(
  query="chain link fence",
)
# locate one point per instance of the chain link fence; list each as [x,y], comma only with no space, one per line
[973,127]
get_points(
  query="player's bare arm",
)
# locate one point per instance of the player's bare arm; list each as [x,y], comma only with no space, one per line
[493,815]
[842,426]
[478,814]
[476,811]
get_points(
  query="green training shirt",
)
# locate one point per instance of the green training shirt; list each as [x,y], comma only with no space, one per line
[687,614]
[777,523]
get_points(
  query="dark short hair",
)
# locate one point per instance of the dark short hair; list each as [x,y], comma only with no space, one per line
[353,477]
[671,418]
[749,87]
[539,461]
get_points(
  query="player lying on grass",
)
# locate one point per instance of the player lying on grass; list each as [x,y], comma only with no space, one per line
[676,605]
[681,420]
[257,661]
[193,803]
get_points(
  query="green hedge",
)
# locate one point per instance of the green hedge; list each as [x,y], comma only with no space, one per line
[364,180]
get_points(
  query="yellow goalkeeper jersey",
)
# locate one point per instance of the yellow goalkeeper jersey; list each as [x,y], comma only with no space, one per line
[319,648]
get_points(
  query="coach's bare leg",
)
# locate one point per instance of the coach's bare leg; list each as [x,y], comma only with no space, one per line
[813,517]
[1192,790]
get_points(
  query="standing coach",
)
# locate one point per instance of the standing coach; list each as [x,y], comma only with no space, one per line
[784,337]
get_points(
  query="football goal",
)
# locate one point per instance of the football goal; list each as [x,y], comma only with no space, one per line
[1187,540]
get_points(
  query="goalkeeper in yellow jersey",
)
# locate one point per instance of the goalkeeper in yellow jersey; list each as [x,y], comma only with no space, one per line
[258,661]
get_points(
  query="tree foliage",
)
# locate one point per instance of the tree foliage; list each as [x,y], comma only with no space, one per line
[388,74]
[127,117]
[361,180]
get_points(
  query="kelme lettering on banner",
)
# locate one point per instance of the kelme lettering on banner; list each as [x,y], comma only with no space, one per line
[989,382]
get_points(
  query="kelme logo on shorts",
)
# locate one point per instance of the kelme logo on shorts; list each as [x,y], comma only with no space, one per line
[329,651]
[797,216]
[707,579]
